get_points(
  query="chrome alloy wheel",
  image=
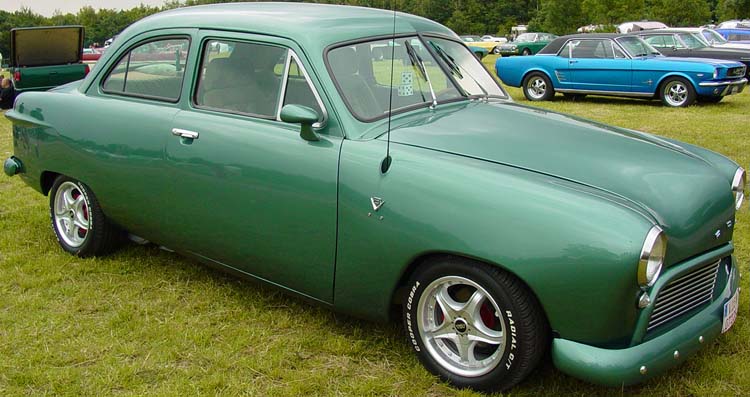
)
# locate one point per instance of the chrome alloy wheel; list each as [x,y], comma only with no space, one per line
[675,93]
[536,87]
[461,326]
[71,214]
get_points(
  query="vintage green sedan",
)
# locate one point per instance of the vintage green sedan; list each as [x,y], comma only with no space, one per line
[285,143]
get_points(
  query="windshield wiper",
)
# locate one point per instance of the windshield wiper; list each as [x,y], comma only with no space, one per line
[417,62]
[453,66]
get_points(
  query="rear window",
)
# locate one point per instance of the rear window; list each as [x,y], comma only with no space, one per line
[154,70]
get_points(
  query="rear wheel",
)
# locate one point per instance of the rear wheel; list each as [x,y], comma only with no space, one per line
[677,92]
[474,325]
[496,50]
[537,87]
[78,221]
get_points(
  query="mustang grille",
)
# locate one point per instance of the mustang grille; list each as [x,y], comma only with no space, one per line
[736,72]
[684,294]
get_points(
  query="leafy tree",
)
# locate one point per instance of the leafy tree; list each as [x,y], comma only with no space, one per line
[732,9]
[559,17]
[681,12]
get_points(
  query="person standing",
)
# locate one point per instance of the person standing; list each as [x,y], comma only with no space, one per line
[7,94]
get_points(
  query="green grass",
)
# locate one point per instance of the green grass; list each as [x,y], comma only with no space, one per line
[144,321]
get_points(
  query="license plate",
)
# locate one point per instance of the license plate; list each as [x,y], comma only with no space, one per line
[730,312]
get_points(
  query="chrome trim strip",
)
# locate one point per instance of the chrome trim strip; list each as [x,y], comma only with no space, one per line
[312,88]
[611,93]
[718,83]
[285,80]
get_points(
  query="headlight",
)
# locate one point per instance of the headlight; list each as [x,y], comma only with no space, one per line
[652,257]
[716,73]
[738,187]
[513,48]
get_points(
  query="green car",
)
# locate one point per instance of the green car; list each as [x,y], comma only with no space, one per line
[526,44]
[404,183]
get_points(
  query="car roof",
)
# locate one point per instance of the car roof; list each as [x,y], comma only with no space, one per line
[313,26]
[554,46]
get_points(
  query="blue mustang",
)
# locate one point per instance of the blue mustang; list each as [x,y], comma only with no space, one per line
[619,65]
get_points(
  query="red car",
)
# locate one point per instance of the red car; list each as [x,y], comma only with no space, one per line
[92,54]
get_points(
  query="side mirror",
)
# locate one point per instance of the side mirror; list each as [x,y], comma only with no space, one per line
[303,115]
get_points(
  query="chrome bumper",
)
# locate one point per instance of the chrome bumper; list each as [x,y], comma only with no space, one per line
[720,83]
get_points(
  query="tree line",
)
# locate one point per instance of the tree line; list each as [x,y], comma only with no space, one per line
[463,16]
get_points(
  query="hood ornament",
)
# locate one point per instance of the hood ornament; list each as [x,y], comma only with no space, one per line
[376,202]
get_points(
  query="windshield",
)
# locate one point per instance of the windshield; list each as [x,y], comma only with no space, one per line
[636,47]
[713,36]
[363,75]
[526,37]
[692,40]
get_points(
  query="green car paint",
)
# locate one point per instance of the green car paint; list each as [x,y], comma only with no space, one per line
[562,203]
[526,44]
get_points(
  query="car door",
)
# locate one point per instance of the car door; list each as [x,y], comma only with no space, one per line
[249,193]
[124,115]
[599,65]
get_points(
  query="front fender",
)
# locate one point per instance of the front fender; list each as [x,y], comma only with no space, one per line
[684,75]
[576,249]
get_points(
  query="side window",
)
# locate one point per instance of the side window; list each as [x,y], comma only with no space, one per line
[299,91]
[155,69]
[617,51]
[591,49]
[569,46]
[240,77]
[656,41]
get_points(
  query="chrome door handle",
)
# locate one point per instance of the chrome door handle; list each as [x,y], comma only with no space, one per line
[572,61]
[184,133]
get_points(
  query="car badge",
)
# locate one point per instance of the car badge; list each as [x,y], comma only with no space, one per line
[376,202]
[729,224]
[717,233]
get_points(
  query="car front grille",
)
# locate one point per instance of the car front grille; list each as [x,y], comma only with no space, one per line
[684,294]
[736,72]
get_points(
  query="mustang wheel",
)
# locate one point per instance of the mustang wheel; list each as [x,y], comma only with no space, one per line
[78,221]
[526,51]
[537,87]
[474,325]
[677,92]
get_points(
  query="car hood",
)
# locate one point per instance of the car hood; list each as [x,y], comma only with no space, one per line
[688,196]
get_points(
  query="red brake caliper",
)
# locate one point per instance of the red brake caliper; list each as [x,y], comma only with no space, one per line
[488,315]
[81,232]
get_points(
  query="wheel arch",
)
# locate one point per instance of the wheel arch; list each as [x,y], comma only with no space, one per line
[537,69]
[400,290]
[46,179]
[669,75]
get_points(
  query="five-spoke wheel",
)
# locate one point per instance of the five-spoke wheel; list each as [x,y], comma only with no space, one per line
[78,221]
[677,92]
[537,87]
[473,324]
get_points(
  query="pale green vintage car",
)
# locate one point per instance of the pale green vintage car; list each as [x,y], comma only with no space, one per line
[299,145]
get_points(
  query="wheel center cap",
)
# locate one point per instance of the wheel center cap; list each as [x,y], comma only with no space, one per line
[460,326]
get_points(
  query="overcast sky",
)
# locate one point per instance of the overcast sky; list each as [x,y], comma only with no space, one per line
[48,7]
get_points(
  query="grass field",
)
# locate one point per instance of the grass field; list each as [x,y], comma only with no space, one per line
[144,321]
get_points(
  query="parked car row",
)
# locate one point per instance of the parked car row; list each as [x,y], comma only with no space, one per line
[673,65]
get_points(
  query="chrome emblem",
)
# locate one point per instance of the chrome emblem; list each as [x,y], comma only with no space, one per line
[717,233]
[376,202]
[729,224]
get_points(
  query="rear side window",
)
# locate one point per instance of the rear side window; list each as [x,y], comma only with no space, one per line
[154,70]
[240,77]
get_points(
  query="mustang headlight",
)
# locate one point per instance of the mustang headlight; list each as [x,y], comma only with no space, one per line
[652,257]
[716,73]
[738,187]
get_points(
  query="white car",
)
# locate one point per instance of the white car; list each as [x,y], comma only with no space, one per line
[495,39]
[714,39]
[734,24]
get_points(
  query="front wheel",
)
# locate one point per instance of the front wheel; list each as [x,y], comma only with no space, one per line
[474,325]
[677,92]
[496,50]
[537,87]
[526,51]
[78,221]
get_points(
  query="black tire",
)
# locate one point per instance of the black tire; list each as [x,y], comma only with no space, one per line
[521,319]
[526,52]
[710,99]
[99,238]
[574,97]
[677,92]
[537,87]
[496,50]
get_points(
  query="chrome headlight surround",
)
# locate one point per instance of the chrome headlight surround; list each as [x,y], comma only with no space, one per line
[652,257]
[738,187]
[716,73]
